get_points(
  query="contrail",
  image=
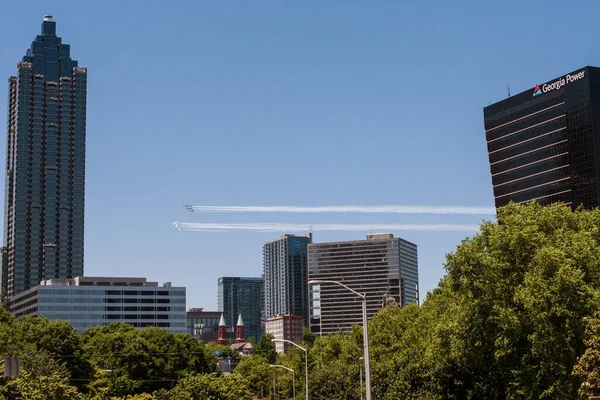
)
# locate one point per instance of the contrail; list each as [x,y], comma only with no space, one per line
[282,227]
[389,209]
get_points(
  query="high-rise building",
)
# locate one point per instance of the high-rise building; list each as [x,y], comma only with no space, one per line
[544,143]
[285,263]
[238,295]
[45,166]
[96,301]
[382,267]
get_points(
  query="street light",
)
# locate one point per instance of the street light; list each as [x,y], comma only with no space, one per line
[363,297]
[305,357]
[293,377]
[360,373]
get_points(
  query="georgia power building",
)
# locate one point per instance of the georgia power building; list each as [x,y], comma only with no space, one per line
[544,143]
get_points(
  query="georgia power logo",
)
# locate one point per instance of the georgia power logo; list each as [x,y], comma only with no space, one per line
[557,84]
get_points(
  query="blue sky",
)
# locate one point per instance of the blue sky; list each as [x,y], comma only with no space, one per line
[289,103]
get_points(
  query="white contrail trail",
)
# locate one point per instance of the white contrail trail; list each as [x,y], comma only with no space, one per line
[282,227]
[389,209]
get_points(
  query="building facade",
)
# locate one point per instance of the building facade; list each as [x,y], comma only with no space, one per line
[239,295]
[382,267]
[285,266]
[45,166]
[544,143]
[88,301]
[202,325]
[288,327]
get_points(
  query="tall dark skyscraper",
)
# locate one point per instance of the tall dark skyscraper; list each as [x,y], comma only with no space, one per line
[238,295]
[45,166]
[544,143]
[285,263]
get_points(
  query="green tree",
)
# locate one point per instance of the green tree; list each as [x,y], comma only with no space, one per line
[266,348]
[524,286]
[206,387]
[587,369]
[257,372]
[143,360]
[308,337]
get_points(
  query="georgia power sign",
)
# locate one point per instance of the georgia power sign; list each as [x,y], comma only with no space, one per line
[559,83]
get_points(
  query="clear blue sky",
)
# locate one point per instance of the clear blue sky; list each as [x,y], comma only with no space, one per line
[289,103]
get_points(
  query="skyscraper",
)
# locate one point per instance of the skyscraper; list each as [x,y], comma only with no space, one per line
[242,296]
[45,166]
[544,143]
[285,262]
[382,267]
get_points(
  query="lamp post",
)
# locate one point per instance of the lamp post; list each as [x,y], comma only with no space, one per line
[305,358]
[293,377]
[360,373]
[363,297]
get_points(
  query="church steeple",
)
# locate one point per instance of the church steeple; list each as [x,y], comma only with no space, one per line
[222,332]
[239,330]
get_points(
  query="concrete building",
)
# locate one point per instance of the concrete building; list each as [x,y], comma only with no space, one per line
[45,166]
[381,266]
[287,327]
[203,325]
[285,263]
[95,301]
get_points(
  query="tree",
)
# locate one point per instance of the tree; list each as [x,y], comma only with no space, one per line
[524,286]
[143,360]
[206,387]
[308,337]
[587,369]
[266,348]
[257,372]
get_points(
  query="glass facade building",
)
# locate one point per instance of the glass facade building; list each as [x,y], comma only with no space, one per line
[381,266]
[238,295]
[544,143]
[285,266]
[45,166]
[87,301]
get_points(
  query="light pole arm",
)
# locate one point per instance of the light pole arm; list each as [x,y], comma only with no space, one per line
[318,281]
[280,366]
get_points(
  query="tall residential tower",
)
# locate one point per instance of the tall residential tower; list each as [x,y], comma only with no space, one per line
[285,263]
[45,166]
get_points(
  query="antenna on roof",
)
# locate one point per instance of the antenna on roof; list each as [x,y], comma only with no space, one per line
[508,86]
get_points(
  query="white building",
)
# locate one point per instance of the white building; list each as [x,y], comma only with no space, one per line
[288,327]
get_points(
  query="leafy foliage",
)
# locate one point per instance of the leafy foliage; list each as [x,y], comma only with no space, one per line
[517,316]
[266,348]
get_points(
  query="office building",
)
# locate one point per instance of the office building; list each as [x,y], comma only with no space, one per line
[86,301]
[203,325]
[544,143]
[45,166]
[285,263]
[239,295]
[288,327]
[382,267]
